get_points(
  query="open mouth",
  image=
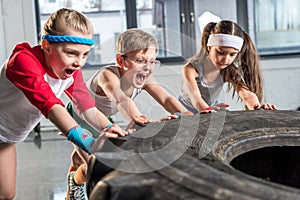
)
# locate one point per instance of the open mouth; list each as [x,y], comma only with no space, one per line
[69,71]
[141,78]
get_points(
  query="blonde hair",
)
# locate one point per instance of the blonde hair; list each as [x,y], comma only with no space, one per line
[134,40]
[64,20]
[244,72]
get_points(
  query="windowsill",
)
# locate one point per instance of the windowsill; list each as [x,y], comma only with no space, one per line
[280,63]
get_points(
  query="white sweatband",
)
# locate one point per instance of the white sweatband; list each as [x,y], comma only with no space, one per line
[225,40]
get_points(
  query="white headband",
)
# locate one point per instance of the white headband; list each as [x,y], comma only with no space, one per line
[225,40]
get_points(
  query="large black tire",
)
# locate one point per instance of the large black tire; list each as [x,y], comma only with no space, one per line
[224,155]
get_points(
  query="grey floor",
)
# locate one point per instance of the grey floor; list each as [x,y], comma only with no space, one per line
[42,165]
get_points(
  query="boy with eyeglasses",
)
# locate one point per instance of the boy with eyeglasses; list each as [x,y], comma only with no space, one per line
[114,87]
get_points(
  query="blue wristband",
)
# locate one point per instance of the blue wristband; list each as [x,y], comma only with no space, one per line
[81,138]
[109,126]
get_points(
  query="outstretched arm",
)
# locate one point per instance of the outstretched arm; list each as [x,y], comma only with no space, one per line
[168,102]
[189,74]
[252,102]
[60,117]
[99,121]
[111,86]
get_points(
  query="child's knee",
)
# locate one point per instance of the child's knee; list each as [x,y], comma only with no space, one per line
[8,193]
[76,160]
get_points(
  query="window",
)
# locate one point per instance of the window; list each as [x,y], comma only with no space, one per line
[212,11]
[108,19]
[159,17]
[177,24]
[277,26]
[154,18]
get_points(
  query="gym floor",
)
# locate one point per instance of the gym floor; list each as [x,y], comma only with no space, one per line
[42,163]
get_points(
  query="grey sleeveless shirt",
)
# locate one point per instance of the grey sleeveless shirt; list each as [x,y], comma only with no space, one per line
[209,91]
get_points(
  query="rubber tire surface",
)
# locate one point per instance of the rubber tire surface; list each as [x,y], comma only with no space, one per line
[203,171]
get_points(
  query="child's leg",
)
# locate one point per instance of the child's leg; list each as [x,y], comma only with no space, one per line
[79,160]
[84,156]
[8,170]
[80,174]
[76,161]
[77,172]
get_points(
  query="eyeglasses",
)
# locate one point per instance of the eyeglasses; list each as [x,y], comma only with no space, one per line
[144,62]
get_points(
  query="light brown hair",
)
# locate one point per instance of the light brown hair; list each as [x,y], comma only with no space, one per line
[134,40]
[65,19]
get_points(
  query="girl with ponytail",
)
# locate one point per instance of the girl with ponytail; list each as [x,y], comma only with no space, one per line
[227,54]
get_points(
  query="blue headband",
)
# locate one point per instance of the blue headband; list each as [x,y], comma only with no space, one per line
[67,38]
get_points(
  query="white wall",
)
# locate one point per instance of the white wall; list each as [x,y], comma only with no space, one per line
[17,25]
[281,84]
